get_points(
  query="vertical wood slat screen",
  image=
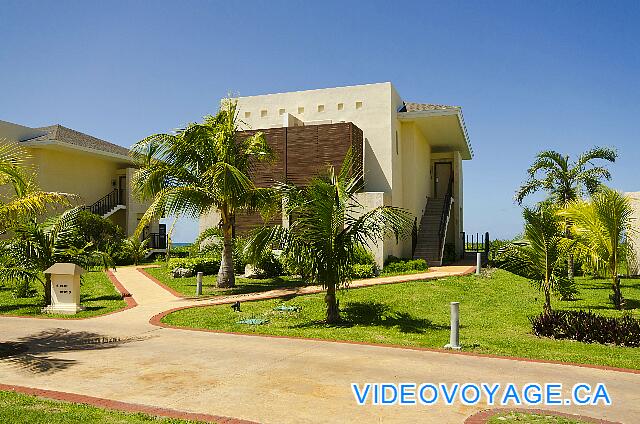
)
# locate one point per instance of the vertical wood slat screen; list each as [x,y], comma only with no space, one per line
[301,153]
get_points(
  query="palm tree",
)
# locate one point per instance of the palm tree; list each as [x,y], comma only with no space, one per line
[327,225]
[136,248]
[538,257]
[566,181]
[602,227]
[37,246]
[200,169]
[21,198]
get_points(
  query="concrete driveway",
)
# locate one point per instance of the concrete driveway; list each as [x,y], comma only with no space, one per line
[271,380]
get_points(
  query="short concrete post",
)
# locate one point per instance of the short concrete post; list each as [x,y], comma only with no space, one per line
[478,263]
[199,284]
[454,337]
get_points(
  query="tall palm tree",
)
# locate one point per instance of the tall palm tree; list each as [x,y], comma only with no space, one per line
[602,227]
[20,196]
[200,169]
[327,225]
[37,246]
[538,257]
[566,181]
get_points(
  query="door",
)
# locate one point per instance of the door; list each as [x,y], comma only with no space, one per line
[122,190]
[443,173]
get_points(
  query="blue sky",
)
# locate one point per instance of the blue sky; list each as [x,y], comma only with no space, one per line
[529,75]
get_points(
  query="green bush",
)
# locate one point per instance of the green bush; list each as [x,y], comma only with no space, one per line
[362,256]
[395,265]
[208,266]
[363,271]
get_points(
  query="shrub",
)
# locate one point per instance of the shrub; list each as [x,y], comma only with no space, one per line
[396,265]
[208,266]
[270,266]
[97,230]
[362,256]
[363,270]
[588,327]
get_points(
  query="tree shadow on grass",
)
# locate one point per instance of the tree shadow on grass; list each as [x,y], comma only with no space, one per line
[377,314]
[34,353]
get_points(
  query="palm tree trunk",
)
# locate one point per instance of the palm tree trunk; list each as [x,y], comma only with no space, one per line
[47,289]
[617,298]
[226,276]
[547,301]
[333,314]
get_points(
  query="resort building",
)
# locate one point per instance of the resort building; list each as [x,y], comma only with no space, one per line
[634,269]
[97,171]
[411,155]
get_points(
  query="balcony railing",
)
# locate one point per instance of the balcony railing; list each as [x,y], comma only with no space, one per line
[157,241]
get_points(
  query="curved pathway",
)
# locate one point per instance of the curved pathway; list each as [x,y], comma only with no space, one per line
[125,358]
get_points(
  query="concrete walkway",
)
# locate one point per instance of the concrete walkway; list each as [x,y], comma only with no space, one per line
[270,380]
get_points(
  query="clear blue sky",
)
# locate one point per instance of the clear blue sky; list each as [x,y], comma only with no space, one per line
[529,75]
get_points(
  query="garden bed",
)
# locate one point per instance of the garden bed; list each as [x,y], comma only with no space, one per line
[494,317]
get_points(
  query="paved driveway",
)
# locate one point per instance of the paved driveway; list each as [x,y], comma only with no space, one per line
[271,380]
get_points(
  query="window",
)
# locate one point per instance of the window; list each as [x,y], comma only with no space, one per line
[300,109]
[358,105]
[247,114]
[340,106]
[281,111]
[320,108]
[263,113]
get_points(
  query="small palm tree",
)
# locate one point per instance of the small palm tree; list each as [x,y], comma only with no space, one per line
[602,227]
[137,249]
[37,246]
[538,257]
[327,225]
[566,181]
[201,169]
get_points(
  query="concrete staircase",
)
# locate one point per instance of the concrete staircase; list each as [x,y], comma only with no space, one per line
[428,243]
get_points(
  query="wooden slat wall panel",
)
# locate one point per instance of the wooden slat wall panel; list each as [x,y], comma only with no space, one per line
[302,152]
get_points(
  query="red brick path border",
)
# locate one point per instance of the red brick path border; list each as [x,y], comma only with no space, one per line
[126,296]
[483,416]
[157,321]
[122,406]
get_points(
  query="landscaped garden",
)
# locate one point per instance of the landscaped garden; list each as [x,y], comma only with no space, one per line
[17,408]
[494,317]
[97,295]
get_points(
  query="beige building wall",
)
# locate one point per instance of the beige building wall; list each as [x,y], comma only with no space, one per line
[635,235]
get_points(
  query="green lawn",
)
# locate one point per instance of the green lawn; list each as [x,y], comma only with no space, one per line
[97,295]
[494,313]
[187,286]
[17,408]
[519,417]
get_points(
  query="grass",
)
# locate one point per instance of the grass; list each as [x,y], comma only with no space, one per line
[187,286]
[97,295]
[17,408]
[494,313]
[519,417]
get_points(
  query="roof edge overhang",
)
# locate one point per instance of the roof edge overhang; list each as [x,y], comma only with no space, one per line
[69,146]
[467,152]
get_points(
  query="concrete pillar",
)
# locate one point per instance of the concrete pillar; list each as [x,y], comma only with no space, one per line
[199,284]
[454,337]
[478,263]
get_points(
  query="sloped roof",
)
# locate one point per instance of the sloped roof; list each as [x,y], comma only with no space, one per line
[414,107]
[76,138]
[64,268]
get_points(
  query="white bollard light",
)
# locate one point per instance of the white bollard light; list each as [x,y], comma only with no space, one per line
[478,263]
[454,337]
[199,284]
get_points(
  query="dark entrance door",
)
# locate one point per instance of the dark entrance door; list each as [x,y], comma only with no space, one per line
[443,173]
[122,190]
